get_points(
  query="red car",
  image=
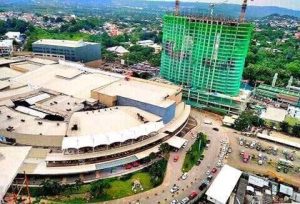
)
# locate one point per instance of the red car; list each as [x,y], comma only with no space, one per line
[135,164]
[214,170]
[193,195]
[176,157]
[128,166]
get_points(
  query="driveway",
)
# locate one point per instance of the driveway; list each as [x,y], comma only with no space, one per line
[162,194]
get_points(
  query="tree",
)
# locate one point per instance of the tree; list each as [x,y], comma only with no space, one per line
[164,148]
[157,171]
[152,156]
[98,187]
[50,187]
[296,130]
[284,126]
[109,56]
[247,119]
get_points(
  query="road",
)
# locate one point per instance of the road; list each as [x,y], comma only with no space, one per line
[162,194]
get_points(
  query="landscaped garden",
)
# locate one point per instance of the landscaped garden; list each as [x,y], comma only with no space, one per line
[195,153]
[103,190]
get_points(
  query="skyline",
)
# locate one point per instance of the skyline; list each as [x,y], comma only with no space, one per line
[290,4]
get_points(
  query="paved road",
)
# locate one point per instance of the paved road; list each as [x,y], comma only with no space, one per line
[162,194]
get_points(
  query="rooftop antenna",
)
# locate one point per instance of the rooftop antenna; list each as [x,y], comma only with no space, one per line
[243,10]
[213,5]
[176,12]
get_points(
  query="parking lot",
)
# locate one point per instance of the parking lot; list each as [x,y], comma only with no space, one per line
[265,158]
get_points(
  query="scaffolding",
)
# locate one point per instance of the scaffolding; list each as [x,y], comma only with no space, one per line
[205,54]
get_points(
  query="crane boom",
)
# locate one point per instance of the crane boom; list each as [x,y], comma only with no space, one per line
[212,6]
[243,10]
[176,8]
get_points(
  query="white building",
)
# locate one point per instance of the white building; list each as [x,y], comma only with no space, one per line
[14,36]
[119,50]
[150,43]
[294,111]
[223,185]
[6,47]
[145,42]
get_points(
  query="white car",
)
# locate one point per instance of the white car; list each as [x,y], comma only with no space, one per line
[185,144]
[184,176]
[208,172]
[185,200]
[174,201]
[174,189]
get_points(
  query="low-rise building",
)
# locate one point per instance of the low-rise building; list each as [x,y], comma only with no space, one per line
[6,47]
[77,51]
[119,50]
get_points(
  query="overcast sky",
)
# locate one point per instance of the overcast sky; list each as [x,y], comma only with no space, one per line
[291,4]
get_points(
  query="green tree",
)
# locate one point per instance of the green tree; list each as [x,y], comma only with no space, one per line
[247,119]
[284,126]
[152,156]
[157,171]
[98,187]
[164,148]
[296,130]
[50,187]
[109,56]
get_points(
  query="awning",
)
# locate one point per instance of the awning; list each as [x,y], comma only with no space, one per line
[110,138]
[176,142]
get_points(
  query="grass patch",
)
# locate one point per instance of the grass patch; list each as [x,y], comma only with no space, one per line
[119,187]
[194,153]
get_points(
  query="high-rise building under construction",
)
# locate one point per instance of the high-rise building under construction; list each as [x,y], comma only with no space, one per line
[206,55]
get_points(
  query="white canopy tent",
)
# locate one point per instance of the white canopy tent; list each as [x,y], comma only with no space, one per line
[176,142]
[110,138]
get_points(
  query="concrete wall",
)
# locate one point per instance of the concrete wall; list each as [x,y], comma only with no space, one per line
[104,99]
[176,97]
[167,113]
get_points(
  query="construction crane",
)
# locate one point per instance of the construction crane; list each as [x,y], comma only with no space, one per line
[213,5]
[243,10]
[176,12]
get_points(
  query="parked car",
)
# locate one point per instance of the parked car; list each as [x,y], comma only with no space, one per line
[175,201]
[176,157]
[128,166]
[210,177]
[136,164]
[208,172]
[202,186]
[214,170]
[185,200]
[184,176]
[174,189]
[198,162]
[193,195]
[185,144]
[216,129]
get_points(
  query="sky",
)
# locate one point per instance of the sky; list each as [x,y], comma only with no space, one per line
[291,4]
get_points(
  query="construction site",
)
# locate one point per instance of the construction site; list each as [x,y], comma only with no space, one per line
[206,55]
